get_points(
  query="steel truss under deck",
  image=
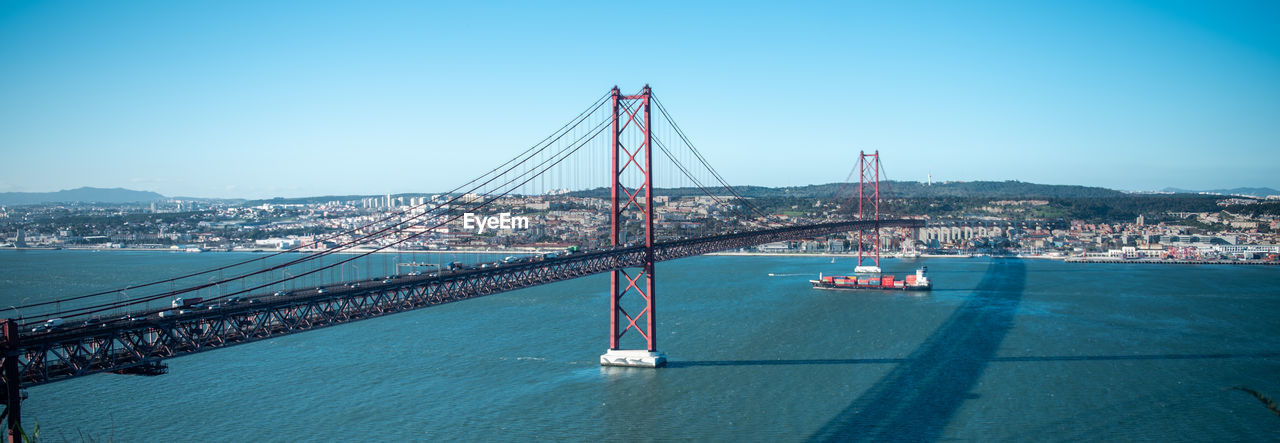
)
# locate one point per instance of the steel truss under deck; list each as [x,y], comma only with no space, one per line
[138,346]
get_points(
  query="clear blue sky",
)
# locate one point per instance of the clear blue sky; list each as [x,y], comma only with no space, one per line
[261,99]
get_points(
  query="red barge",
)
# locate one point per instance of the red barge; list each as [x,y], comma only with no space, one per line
[870,278]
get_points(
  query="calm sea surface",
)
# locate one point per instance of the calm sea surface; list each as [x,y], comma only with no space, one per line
[1002,349]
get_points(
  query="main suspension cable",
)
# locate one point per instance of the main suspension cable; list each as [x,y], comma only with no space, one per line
[110,306]
[572,123]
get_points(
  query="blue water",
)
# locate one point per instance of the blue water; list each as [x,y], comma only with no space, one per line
[1001,350]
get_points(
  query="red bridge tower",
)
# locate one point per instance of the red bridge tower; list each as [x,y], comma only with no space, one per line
[631,217]
[869,205]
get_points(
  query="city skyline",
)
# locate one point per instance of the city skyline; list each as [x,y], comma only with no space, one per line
[260,101]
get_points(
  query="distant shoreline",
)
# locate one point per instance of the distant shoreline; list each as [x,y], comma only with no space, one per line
[1171,261]
[829,254]
[1066,259]
[272,251]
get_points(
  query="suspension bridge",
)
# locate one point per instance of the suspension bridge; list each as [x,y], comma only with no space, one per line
[660,199]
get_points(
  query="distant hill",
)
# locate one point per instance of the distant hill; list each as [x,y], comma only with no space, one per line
[229,201]
[82,195]
[1011,189]
[325,199]
[1254,192]
[903,189]
[994,189]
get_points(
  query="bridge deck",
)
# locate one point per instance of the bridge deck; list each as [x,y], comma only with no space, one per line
[139,341]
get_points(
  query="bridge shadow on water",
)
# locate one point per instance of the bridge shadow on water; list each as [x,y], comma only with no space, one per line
[916,400]
[1029,358]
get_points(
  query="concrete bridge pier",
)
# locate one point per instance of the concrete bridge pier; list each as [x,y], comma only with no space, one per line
[635,358]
